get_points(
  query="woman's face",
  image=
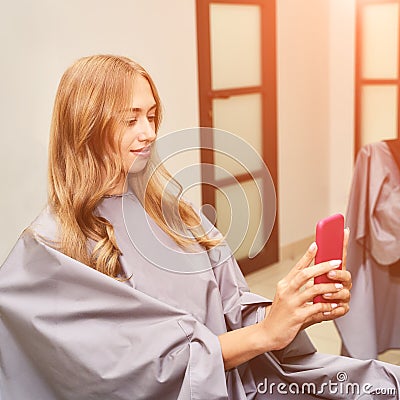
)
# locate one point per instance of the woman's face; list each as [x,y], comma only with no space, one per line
[139,133]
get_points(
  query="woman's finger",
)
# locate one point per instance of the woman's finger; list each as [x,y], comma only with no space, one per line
[340,296]
[304,262]
[327,315]
[341,276]
[311,312]
[304,275]
[326,289]
[308,257]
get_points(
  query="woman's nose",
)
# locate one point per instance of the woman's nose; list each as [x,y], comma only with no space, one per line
[147,132]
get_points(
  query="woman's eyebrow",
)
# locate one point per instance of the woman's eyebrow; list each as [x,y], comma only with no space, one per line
[138,109]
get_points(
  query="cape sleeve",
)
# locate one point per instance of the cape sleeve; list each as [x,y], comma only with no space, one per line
[70,332]
[241,306]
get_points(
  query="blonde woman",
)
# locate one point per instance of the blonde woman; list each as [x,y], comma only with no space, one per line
[85,311]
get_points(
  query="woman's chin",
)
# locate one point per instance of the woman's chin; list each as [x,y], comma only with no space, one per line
[138,165]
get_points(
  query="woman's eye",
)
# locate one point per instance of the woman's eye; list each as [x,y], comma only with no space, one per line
[131,122]
[151,118]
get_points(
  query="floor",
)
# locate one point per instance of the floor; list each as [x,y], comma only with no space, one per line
[324,336]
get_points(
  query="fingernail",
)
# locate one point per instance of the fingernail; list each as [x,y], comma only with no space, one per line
[348,229]
[312,247]
[332,274]
[333,305]
[338,286]
[327,294]
[327,313]
[335,263]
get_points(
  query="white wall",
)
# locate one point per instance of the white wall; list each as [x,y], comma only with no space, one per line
[303,116]
[40,39]
[341,114]
[315,111]
[315,93]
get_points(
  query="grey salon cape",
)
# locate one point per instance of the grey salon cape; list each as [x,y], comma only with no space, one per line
[68,332]
[373,323]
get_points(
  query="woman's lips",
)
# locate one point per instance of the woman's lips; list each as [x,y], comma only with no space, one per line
[144,151]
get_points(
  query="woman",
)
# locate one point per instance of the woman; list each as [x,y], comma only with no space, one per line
[86,313]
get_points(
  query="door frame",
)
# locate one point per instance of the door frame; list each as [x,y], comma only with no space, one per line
[268,92]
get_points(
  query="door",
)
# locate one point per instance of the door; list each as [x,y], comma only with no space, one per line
[377,71]
[237,92]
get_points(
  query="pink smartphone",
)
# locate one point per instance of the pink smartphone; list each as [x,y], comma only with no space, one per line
[329,239]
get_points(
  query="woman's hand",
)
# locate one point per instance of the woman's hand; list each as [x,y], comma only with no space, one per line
[292,308]
[340,297]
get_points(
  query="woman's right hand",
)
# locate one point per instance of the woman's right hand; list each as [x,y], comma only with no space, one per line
[292,308]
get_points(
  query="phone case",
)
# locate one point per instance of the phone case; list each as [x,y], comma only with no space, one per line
[329,239]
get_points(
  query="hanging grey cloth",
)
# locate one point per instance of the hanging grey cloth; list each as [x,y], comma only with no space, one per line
[373,323]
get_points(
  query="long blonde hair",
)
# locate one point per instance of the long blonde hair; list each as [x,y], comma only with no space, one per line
[85,163]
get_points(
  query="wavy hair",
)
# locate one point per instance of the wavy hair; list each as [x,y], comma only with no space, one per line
[85,164]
